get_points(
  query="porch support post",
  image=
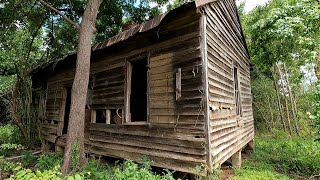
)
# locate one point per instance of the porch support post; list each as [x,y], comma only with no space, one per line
[251,145]
[236,159]
[59,149]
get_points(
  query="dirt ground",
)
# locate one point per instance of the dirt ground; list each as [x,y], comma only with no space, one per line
[227,171]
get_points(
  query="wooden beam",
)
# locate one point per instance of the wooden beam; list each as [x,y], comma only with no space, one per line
[205,81]
[93,116]
[108,116]
[127,117]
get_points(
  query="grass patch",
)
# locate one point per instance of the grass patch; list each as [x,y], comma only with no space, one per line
[278,154]
[258,171]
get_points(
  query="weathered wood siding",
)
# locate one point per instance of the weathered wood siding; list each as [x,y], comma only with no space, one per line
[182,128]
[53,101]
[225,47]
[174,136]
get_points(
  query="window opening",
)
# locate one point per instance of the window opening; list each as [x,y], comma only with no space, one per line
[107,116]
[116,116]
[101,116]
[237,92]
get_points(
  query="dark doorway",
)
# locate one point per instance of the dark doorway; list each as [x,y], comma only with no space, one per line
[139,85]
[67,110]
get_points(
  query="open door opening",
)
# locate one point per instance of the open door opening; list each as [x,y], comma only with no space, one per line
[139,86]
[67,110]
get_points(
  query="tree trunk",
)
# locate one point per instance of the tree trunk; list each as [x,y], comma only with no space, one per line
[317,66]
[75,135]
[278,97]
[271,113]
[14,111]
[285,99]
[292,100]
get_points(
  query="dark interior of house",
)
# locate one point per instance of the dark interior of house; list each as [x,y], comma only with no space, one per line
[67,110]
[138,98]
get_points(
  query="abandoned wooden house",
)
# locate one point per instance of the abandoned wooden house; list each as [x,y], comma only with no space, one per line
[175,89]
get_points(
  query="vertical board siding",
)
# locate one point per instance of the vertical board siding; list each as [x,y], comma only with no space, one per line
[226,46]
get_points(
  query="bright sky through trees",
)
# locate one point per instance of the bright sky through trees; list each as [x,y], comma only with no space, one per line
[250,4]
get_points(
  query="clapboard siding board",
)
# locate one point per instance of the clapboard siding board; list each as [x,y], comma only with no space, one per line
[191,116]
[226,47]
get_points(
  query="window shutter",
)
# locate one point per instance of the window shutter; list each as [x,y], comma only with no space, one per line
[178,84]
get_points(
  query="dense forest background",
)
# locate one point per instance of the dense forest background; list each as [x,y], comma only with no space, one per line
[283,39]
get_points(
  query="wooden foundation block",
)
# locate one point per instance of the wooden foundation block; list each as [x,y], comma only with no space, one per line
[236,159]
[251,145]
[59,149]
[45,146]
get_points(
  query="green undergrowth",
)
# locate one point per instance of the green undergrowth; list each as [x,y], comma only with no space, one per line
[252,170]
[9,134]
[94,170]
[10,141]
[279,156]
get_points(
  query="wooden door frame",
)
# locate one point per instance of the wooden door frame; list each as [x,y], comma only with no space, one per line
[127,90]
[62,112]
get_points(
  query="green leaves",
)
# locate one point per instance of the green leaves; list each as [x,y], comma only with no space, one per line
[5,166]
[127,170]
[48,161]
[315,116]
[286,31]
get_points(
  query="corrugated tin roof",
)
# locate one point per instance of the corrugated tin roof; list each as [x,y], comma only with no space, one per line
[123,36]
[145,26]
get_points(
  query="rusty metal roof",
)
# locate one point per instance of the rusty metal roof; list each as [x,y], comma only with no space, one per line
[123,36]
[145,26]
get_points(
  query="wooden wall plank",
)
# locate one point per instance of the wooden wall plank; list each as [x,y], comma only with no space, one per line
[229,133]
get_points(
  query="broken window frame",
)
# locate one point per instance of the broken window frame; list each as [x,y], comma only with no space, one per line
[237,89]
[107,116]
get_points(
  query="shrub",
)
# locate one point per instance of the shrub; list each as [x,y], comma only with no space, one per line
[131,170]
[94,170]
[21,173]
[9,134]
[9,149]
[315,116]
[9,146]
[127,170]
[48,161]
[28,158]
[5,165]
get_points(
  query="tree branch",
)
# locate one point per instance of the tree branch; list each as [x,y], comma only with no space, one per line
[58,12]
